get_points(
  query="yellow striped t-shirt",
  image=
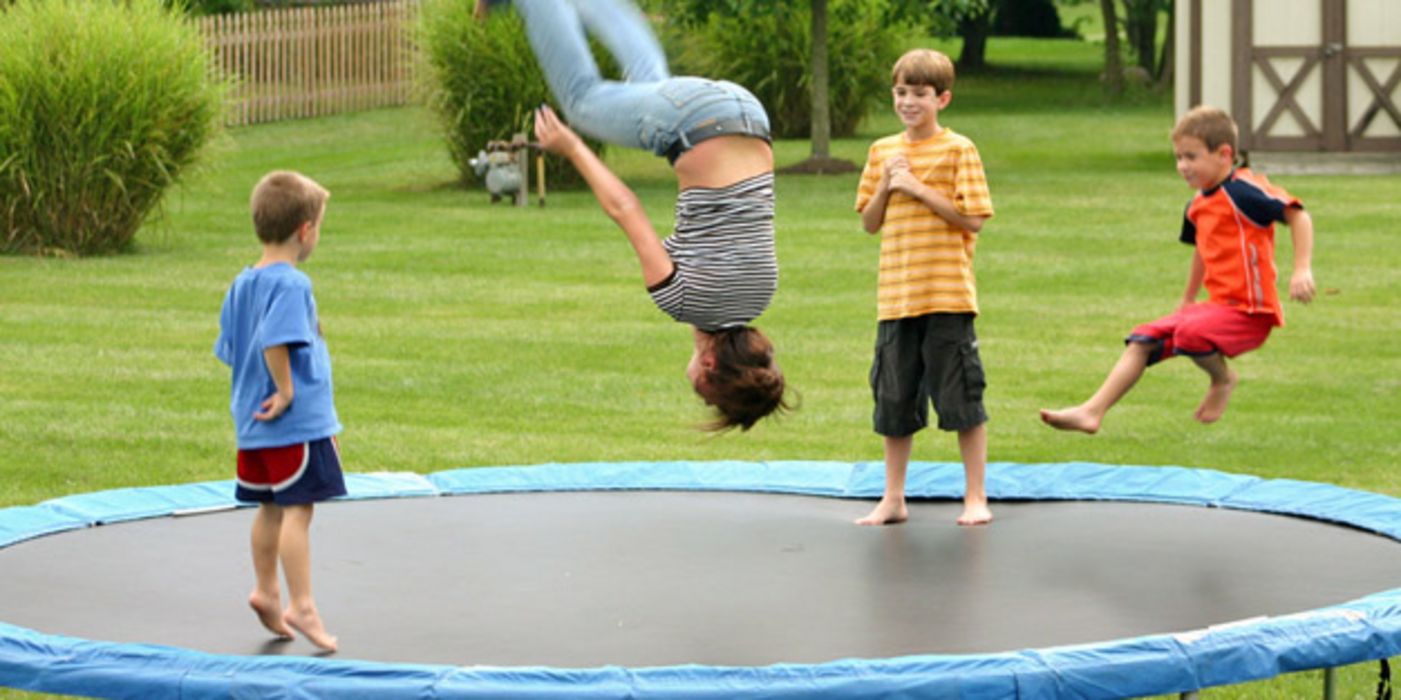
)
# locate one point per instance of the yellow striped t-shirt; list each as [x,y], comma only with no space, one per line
[926,264]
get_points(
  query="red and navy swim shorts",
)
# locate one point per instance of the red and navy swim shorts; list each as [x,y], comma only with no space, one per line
[294,474]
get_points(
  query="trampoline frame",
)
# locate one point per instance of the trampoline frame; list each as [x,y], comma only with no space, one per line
[1365,629]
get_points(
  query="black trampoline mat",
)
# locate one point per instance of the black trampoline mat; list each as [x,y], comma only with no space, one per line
[645,578]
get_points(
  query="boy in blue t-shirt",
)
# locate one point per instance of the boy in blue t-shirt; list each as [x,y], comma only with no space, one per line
[282,406]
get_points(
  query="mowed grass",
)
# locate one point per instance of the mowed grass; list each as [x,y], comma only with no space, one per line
[464,334]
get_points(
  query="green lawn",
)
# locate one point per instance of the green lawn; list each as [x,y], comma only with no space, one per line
[464,334]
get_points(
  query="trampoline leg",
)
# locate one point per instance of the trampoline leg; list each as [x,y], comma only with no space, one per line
[1190,695]
[1330,683]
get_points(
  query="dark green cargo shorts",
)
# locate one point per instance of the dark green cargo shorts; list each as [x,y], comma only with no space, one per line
[927,358]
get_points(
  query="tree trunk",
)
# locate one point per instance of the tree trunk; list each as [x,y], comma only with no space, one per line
[1113,63]
[821,161]
[821,109]
[974,29]
[1141,21]
[1169,54]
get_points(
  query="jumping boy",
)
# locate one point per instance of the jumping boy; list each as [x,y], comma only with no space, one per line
[925,192]
[1230,224]
[282,406]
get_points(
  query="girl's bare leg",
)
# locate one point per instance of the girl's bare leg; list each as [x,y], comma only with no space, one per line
[301,613]
[266,598]
[891,508]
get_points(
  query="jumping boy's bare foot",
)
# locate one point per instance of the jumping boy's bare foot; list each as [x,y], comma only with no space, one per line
[886,513]
[1076,418]
[1214,404]
[268,609]
[308,622]
[975,513]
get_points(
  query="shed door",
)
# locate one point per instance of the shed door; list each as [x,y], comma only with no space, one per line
[1317,74]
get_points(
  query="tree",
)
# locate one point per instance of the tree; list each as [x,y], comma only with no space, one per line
[974,25]
[821,160]
[1141,29]
[1166,58]
[970,19]
[1113,62]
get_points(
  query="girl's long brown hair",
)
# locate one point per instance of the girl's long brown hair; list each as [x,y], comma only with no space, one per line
[745,384]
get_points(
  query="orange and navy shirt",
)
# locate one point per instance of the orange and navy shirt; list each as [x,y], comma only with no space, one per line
[926,263]
[1232,226]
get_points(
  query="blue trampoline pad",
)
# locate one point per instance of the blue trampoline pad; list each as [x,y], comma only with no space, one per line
[680,584]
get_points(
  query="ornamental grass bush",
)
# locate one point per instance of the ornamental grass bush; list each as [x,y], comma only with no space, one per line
[103,107]
[766,47]
[481,80]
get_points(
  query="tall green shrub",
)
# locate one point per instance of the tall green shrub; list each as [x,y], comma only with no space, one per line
[765,46]
[482,81]
[103,106]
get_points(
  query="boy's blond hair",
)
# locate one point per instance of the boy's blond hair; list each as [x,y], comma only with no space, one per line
[1209,125]
[284,200]
[924,67]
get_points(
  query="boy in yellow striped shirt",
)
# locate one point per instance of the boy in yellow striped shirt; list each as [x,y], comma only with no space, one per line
[925,192]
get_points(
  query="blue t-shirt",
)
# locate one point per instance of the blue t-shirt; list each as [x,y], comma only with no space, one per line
[266,307]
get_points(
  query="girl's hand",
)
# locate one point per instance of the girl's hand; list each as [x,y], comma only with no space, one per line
[553,135]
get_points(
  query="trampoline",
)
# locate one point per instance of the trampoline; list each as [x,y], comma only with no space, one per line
[713,580]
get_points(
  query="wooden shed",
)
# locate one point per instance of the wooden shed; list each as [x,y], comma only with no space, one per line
[1297,75]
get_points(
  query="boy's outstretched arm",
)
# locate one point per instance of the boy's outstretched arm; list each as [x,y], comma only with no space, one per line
[619,202]
[1301,286]
[280,367]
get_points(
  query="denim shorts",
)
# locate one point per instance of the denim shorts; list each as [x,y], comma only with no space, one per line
[922,359]
[669,116]
[695,109]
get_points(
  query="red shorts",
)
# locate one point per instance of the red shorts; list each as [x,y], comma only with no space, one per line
[1203,329]
[295,474]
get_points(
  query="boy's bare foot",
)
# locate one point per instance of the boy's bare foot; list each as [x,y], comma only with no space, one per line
[308,622]
[1076,418]
[886,513]
[1214,404]
[975,514]
[268,609]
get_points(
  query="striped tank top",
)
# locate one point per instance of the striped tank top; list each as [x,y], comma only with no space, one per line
[723,249]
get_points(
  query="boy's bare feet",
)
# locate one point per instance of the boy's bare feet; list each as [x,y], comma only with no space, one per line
[886,513]
[975,514]
[268,609]
[308,622]
[1214,404]
[1076,418]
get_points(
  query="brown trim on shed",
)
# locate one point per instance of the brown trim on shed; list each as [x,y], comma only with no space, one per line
[1241,45]
[1194,50]
[1334,54]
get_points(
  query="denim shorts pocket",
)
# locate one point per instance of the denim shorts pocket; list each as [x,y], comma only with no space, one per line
[681,91]
[650,134]
[974,379]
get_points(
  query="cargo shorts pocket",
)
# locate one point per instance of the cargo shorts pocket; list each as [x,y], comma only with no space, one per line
[974,380]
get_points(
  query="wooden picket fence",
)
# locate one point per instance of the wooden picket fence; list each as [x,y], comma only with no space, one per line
[313,61]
